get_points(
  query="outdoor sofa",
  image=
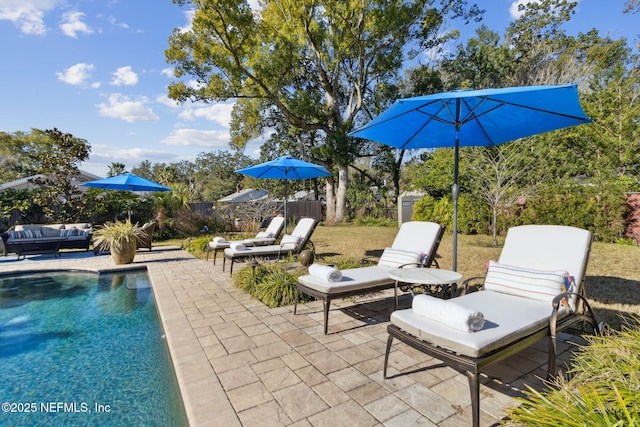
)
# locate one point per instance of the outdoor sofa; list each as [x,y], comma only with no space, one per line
[46,238]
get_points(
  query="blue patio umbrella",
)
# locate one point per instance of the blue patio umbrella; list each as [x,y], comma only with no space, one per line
[484,117]
[285,168]
[127,181]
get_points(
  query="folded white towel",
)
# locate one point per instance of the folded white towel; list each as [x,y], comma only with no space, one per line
[264,235]
[448,312]
[325,272]
[219,240]
[237,246]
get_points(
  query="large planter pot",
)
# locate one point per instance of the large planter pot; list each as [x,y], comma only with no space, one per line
[124,254]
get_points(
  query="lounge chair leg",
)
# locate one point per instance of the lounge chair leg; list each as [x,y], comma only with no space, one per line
[224,263]
[327,303]
[551,363]
[215,255]
[231,268]
[386,356]
[474,388]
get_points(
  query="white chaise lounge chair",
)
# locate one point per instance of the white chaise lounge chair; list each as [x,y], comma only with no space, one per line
[416,243]
[290,244]
[266,237]
[522,302]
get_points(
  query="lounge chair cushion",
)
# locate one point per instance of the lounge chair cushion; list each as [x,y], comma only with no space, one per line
[352,279]
[536,284]
[507,319]
[395,258]
[290,242]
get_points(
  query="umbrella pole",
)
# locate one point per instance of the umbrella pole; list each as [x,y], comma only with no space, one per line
[455,192]
[285,205]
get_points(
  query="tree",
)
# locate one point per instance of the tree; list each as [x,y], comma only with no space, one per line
[116,169]
[501,176]
[311,64]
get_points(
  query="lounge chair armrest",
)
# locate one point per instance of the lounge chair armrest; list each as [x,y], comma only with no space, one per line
[468,284]
[581,308]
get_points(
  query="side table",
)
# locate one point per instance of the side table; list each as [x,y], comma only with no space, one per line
[426,277]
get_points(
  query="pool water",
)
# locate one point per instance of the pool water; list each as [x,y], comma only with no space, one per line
[84,349]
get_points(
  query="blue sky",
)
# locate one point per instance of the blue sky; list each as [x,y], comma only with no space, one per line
[96,69]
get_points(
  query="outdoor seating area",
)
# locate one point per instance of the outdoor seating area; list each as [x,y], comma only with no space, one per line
[241,363]
[266,237]
[45,238]
[534,291]
[415,245]
[290,244]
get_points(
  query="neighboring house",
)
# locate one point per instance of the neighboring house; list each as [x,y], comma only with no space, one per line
[243,196]
[27,183]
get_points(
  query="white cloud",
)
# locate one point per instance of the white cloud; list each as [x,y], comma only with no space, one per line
[27,14]
[218,113]
[72,24]
[513,10]
[124,76]
[189,14]
[76,74]
[199,138]
[165,100]
[131,111]
[130,157]
[167,72]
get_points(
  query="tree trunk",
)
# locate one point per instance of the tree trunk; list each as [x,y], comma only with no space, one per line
[331,202]
[341,196]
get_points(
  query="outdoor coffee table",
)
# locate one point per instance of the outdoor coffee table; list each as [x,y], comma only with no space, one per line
[443,281]
[39,246]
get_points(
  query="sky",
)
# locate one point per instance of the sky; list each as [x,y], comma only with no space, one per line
[96,69]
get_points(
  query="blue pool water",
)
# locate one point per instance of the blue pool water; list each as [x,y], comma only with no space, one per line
[84,349]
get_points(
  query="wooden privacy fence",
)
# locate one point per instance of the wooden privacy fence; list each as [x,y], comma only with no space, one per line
[298,209]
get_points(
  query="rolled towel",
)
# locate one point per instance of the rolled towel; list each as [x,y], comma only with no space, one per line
[325,272]
[448,312]
[237,246]
[219,240]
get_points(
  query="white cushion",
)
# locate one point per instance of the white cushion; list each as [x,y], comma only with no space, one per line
[394,258]
[352,279]
[536,284]
[290,242]
[507,319]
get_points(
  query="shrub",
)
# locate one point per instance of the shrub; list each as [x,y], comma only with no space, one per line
[270,283]
[369,221]
[603,389]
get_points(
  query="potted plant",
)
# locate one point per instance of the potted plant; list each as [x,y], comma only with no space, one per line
[120,238]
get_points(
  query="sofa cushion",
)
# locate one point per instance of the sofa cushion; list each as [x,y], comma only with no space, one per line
[52,230]
[25,234]
[32,227]
[73,232]
[79,226]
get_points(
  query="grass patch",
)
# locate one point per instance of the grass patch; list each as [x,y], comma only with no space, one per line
[603,389]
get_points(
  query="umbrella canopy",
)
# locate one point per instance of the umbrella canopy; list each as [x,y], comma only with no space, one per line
[286,168]
[484,117]
[126,181]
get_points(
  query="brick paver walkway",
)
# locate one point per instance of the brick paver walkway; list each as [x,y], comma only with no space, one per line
[241,363]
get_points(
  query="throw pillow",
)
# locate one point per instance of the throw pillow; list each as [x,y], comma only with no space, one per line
[395,258]
[536,284]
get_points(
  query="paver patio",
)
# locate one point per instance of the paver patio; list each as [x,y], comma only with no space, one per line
[239,362]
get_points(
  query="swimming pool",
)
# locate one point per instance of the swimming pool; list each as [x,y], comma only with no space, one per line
[84,349]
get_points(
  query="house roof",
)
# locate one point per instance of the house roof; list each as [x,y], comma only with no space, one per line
[246,195]
[27,183]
